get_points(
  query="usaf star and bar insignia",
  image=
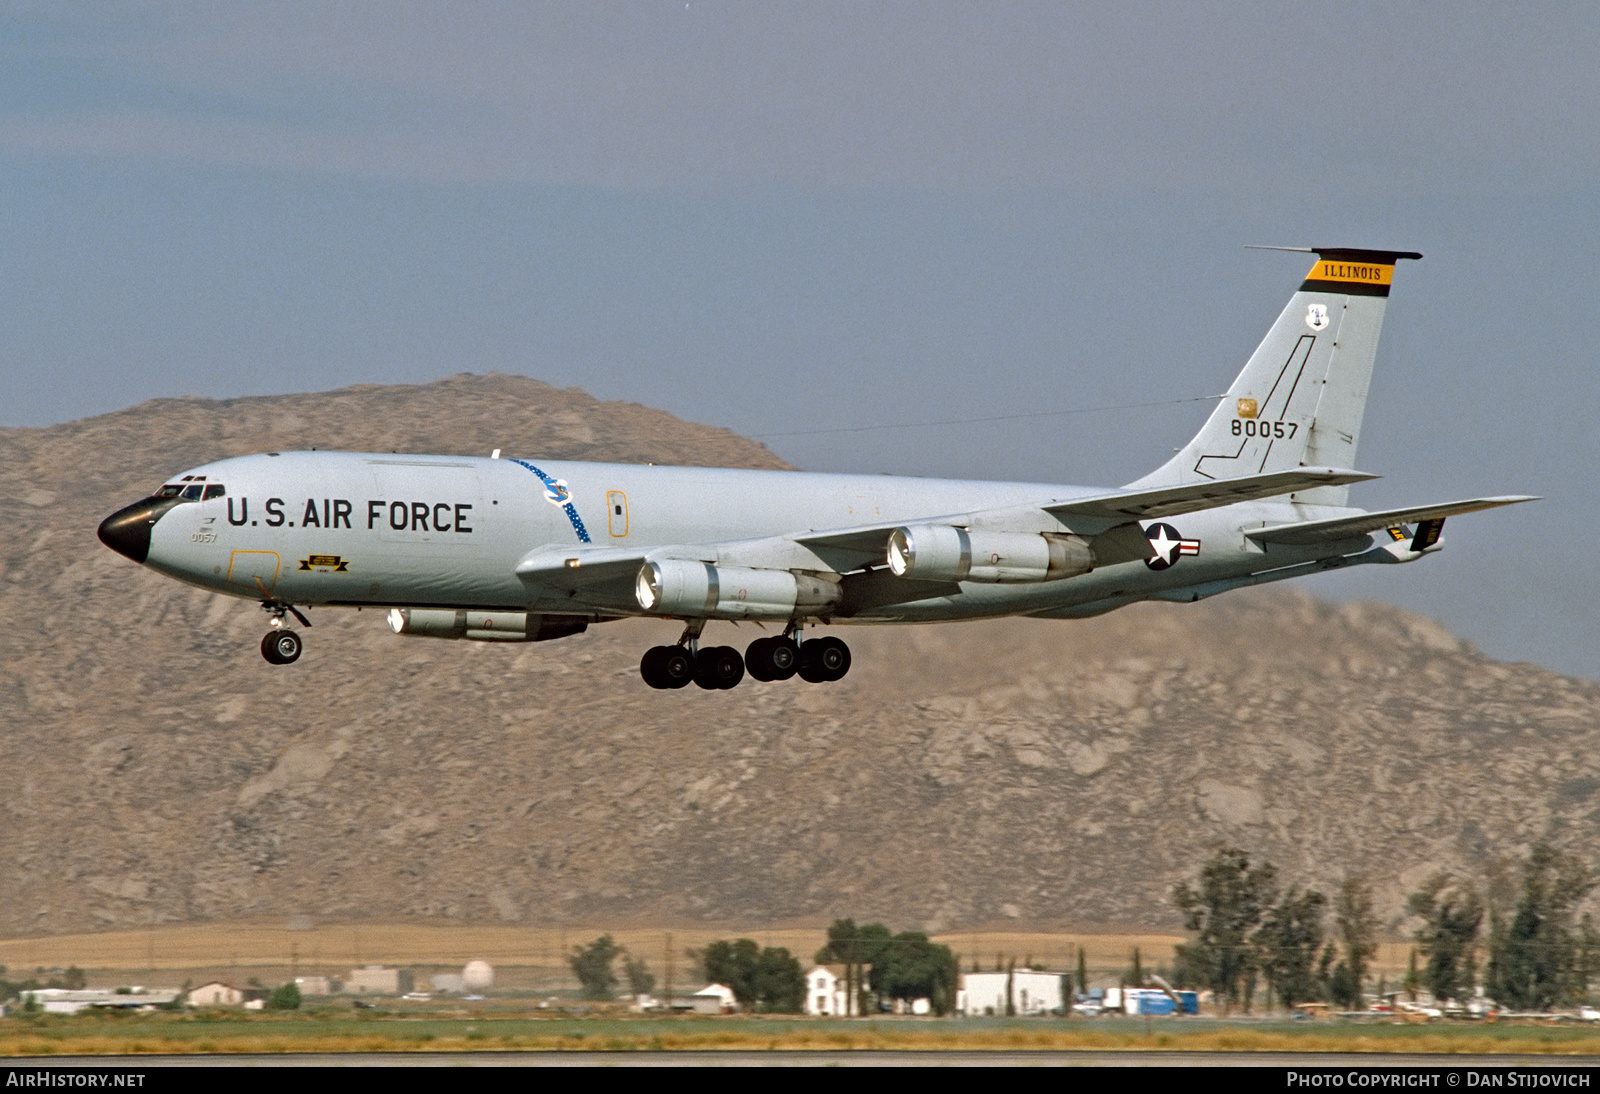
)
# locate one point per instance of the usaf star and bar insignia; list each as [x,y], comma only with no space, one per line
[1168,545]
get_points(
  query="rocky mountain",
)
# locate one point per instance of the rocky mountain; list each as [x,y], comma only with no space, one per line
[153,768]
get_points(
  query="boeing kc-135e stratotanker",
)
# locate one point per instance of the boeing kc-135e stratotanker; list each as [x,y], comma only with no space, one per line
[524,550]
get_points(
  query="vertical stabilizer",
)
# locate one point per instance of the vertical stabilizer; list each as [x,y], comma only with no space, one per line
[1301,397]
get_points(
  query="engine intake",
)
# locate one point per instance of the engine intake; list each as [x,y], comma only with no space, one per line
[941,552]
[484,626]
[700,590]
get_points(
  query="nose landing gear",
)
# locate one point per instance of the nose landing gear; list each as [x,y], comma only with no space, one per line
[282,646]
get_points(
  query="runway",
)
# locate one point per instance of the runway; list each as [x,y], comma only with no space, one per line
[1445,1066]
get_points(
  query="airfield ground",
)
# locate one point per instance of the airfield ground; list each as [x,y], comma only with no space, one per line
[525,959]
[533,1007]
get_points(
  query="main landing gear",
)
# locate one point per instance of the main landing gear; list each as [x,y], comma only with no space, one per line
[282,646]
[717,668]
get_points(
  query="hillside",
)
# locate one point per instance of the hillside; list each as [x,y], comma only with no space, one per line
[154,769]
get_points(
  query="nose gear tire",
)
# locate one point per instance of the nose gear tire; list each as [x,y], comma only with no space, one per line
[281,647]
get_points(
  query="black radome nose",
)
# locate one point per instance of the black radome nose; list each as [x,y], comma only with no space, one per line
[127,531]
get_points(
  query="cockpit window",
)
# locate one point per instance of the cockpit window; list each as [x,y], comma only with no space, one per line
[192,490]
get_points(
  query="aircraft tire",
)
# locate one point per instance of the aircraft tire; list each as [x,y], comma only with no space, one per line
[666,667]
[755,659]
[650,667]
[281,647]
[823,660]
[774,658]
[783,659]
[810,671]
[718,668]
[835,658]
[677,666]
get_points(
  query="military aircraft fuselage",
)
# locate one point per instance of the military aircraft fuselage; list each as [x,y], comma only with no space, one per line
[384,530]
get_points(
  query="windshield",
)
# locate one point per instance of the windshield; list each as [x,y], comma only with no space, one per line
[192,488]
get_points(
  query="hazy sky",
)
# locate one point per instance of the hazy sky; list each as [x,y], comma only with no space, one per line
[855,231]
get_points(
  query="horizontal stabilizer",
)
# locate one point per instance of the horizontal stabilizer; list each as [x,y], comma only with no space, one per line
[1330,531]
[1172,501]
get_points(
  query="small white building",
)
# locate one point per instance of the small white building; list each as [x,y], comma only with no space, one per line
[715,999]
[374,979]
[1033,992]
[71,1001]
[216,994]
[826,993]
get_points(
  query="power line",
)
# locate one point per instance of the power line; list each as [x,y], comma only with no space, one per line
[995,418]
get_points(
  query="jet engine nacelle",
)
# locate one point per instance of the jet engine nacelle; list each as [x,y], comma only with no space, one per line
[940,552]
[484,626]
[702,591]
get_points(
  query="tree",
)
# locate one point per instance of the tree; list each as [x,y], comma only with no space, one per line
[1083,972]
[1448,936]
[1343,987]
[591,964]
[854,947]
[285,997]
[1222,913]
[767,979]
[641,981]
[74,979]
[733,965]
[1534,964]
[1289,941]
[1357,928]
[780,982]
[1588,958]
[914,967]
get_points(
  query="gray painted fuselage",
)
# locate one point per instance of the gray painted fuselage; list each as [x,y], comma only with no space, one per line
[329,528]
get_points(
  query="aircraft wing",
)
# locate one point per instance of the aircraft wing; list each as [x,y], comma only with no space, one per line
[1328,531]
[849,548]
[581,567]
[607,574]
[1172,501]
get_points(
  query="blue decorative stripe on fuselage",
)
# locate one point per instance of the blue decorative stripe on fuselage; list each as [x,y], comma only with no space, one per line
[554,488]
